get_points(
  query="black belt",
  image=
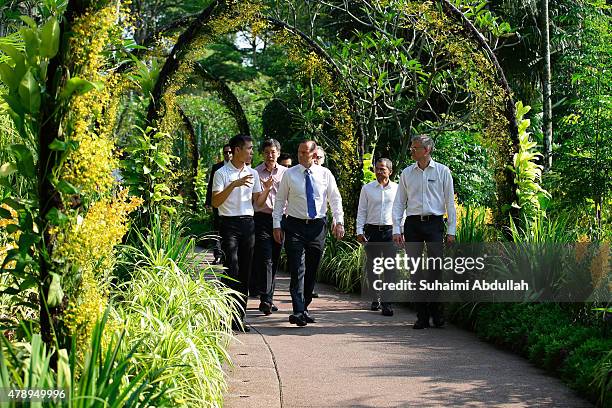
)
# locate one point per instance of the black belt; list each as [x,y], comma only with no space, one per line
[378,227]
[305,220]
[262,214]
[424,218]
[237,217]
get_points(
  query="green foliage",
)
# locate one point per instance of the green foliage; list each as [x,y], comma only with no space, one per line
[368,166]
[342,264]
[179,313]
[107,379]
[583,157]
[470,164]
[146,169]
[552,337]
[472,225]
[532,198]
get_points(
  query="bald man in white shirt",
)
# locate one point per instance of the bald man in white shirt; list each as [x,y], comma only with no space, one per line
[375,221]
[306,189]
[425,193]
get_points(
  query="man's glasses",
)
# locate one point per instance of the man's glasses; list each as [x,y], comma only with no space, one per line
[228,152]
[416,148]
[320,157]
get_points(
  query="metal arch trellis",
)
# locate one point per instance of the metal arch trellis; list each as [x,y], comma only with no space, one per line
[200,25]
[349,171]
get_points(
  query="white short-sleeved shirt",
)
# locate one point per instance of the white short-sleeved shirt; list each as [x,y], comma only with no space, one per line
[240,200]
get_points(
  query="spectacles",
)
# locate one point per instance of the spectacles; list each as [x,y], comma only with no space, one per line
[416,148]
[228,152]
[320,157]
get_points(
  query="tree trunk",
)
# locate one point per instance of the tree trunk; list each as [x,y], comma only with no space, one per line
[547,129]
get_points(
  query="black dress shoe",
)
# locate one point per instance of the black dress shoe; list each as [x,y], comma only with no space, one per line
[315,294]
[298,319]
[419,324]
[265,308]
[308,317]
[274,308]
[375,306]
[387,310]
[438,322]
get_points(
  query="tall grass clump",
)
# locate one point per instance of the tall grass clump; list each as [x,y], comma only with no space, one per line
[107,378]
[179,313]
[342,264]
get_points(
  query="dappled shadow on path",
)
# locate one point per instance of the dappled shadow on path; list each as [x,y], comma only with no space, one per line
[355,357]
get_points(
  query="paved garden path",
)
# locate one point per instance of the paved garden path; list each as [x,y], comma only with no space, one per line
[353,357]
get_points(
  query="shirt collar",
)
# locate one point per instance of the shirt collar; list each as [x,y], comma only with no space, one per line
[232,167]
[303,169]
[378,185]
[431,164]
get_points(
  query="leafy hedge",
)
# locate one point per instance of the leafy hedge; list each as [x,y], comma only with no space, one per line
[566,340]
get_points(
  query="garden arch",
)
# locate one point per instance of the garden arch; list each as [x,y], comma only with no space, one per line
[234,15]
[224,16]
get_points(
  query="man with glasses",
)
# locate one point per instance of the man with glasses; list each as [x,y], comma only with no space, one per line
[320,157]
[227,156]
[425,193]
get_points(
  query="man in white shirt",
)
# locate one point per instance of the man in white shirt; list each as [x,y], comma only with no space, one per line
[320,157]
[235,187]
[306,189]
[375,221]
[425,193]
[267,251]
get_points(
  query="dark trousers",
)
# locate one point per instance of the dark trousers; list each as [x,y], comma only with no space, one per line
[217,252]
[375,234]
[265,258]
[237,242]
[416,234]
[304,243]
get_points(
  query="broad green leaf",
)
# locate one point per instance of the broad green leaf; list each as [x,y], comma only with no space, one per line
[7,76]
[26,240]
[25,161]
[66,188]
[56,217]
[14,104]
[12,228]
[49,38]
[58,145]
[81,86]
[29,93]
[32,44]
[29,21]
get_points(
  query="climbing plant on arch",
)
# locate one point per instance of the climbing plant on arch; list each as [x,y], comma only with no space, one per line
[424,67]
[223,17]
